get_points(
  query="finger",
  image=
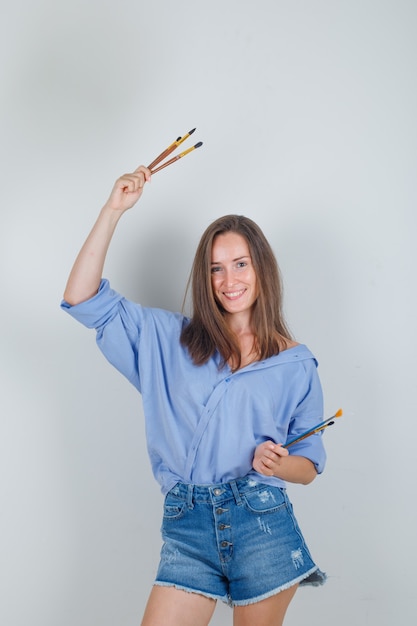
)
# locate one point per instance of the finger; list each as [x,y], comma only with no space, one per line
[267,446]
[146,172]
[278,449]
[132,182]
[267,462]
[267,471]
[271,455]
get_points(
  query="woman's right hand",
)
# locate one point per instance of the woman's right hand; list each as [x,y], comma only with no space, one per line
[128,189]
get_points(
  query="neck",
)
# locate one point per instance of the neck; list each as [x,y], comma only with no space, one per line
[240,324]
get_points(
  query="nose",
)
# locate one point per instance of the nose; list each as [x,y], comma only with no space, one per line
[229,277]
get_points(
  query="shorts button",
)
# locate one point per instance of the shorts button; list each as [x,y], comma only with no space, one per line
[217,492]
[224,544]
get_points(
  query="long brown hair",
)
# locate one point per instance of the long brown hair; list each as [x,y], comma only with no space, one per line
[207,330]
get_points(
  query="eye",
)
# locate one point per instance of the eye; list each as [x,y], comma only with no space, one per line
[215,269]
[241,264]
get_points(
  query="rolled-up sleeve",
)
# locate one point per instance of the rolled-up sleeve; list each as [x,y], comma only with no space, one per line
[308,414]
[117,322]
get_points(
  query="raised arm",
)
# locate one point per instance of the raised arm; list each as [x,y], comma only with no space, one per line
[86,273]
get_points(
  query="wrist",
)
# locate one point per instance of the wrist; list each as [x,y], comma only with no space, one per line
[111,213]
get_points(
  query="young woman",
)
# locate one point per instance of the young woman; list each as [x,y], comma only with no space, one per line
[221,392]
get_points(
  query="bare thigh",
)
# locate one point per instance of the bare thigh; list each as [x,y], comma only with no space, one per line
[269,612]
[168,606]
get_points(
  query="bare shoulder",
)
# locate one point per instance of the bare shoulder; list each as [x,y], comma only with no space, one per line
[286,344]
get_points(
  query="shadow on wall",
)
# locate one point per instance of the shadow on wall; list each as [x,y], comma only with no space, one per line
[154,266]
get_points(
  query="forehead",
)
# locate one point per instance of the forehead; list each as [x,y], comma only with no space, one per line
[229,246]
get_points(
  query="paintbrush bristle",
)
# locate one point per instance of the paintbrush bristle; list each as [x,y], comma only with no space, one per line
[190,132]
[197,145]
[339,413]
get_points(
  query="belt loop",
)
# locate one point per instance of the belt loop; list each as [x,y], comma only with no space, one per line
[190,489]
[236,492]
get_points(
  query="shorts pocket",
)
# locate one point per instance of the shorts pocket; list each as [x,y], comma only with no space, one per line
[174,508]
[267,499]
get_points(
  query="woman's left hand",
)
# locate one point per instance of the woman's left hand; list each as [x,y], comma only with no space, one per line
[268,458]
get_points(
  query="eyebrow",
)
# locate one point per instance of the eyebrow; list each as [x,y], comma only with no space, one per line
[239,258]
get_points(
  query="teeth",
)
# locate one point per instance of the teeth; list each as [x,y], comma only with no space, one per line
[234,294]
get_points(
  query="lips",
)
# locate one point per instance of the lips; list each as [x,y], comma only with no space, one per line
[233,295]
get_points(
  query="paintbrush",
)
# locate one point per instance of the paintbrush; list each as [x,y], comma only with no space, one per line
[314,430]
[175,158]
[170,149]
[165,153]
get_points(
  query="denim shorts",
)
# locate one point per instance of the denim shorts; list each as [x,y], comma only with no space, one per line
[238,542]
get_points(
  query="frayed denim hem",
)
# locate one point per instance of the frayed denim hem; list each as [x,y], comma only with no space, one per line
[314,577]
[212,596]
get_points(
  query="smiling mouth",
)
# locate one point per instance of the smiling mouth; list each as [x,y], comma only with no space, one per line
[233,295]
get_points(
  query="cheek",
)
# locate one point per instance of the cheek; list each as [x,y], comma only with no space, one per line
[213,288]
[250,277]
[254,282]
[215,282]
[216,293]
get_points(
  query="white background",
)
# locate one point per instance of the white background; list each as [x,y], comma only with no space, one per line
[307,110]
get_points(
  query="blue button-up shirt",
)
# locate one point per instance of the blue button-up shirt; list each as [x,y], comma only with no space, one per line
[203,423]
